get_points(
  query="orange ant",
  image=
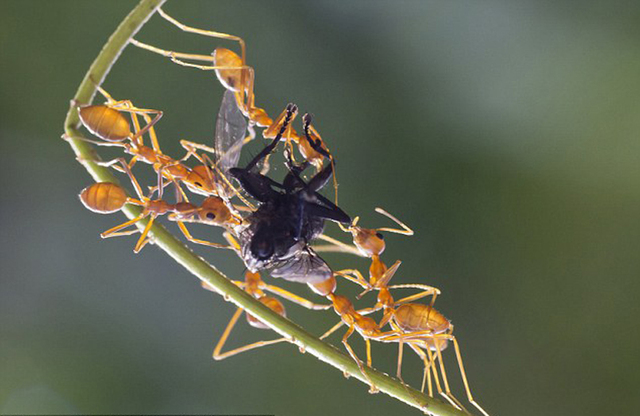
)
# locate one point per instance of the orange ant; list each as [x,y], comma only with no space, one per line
[367,242]
[106,197]
[108,123]
[256,287]
[232,71]
[421,326]
[408,319]
[235,75]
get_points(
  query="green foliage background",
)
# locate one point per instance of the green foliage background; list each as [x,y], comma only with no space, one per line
[505,134]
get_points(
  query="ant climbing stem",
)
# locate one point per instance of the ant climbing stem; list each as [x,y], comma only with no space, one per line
[106,198]
[236,76]
[256,287]
[108,123]
[231,69]
[105,121]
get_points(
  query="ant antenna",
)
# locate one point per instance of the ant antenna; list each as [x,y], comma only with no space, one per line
[405,229]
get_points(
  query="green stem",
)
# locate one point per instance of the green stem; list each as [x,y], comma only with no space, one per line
[196,265]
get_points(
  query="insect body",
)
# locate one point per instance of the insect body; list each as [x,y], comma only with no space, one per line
[290,215]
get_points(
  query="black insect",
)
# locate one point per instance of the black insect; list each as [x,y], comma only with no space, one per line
[289,216]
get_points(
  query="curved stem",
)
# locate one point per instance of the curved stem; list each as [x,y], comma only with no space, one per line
[196,265]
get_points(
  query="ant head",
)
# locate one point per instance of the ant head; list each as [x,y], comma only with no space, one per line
[260,117]
[200,180]
[370,242]
[214,211]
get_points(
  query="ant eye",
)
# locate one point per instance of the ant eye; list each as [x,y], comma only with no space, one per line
[211,215]
[380,236]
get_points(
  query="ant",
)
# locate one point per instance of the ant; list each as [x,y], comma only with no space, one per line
[107,197]
[256,287]
[108,123]
[289,216]
[232,71]
[236,76]
[420,326]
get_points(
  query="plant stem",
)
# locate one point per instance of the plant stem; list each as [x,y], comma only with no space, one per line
[196,265]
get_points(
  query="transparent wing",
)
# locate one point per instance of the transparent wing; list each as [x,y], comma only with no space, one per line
[304,267]
[231,128]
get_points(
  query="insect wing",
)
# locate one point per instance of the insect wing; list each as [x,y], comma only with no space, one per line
[305,267]
[231,127]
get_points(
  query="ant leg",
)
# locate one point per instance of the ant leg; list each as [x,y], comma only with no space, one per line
[217,355]
[248,347]
[149,127]
[294,298]
[133,179]
[332,330]
[113,163]
[143,237]
[122,233]
[464,376]
[336,246]
[372,387]
[399,370]
[209,33]
[426,376]
[367,311]
[189,237]
[355,276]
[405,229]
[113,232]
[447,391]
[66,137]
[427,290]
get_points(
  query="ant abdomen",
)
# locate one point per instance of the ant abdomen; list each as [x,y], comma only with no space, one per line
[105,122]
[103,197]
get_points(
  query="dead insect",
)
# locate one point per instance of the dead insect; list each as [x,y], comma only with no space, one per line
[290,215]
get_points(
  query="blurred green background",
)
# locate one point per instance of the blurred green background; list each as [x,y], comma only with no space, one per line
[505,133]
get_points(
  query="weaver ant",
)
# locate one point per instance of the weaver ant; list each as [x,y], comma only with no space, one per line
[256,287]
[106,198]
[108,123]
[236,76]
[420,326]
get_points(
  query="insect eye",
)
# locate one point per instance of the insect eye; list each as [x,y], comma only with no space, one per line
[380,236]
[211,215]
